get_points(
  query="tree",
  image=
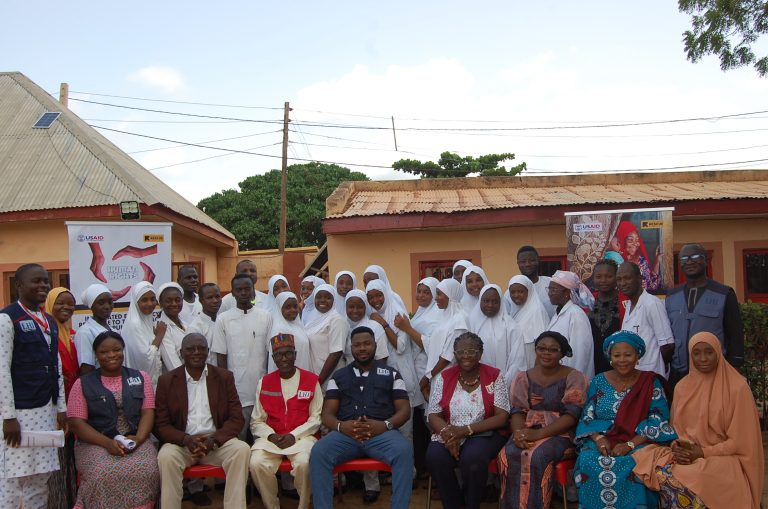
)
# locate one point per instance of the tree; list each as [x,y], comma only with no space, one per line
[726,29]
[252,214]
[453,165]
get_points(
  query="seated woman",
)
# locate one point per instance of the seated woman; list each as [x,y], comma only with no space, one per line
[546,404]
[469,405]
[625,410]
[718,459]
[104,405]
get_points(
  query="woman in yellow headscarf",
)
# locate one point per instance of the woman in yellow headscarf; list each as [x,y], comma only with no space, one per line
[60,304]
[718,459]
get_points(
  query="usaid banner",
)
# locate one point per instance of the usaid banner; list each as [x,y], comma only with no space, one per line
[641,236]
[118,255]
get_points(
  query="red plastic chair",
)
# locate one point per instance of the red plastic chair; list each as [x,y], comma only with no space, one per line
[561,475]
[359,464]
[201,470]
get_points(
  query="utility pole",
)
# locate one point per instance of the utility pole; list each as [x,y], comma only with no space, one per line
[64,94]
[284,180]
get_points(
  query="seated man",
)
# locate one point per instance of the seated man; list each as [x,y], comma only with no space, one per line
[365,403]
[197,418]
[285,416]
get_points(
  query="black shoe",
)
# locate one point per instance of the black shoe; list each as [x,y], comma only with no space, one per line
[200,498]
[292,494]
[370,496]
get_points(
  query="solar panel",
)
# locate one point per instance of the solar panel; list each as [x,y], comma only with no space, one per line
[45,121]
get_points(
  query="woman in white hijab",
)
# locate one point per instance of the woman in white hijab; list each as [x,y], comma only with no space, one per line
[277,284]
[285,320]
[358,314]
[307,304]
[327,332]
[458,269]
[385,310]
[344,281]
[452,322]
[420,327]
[530,315]
[170,297]
[142,338]
[473,280]
[377,272]
[502,341]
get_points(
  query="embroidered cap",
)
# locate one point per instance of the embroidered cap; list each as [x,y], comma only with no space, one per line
[282,340]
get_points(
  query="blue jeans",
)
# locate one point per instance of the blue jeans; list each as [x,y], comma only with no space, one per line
[390,447]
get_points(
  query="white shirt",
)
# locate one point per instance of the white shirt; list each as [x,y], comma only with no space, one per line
[228,302]
[541,290]
[204,325]
[329,340]
[572,322]
[199,418]
[170,348]
[84,337]
[649,320]
[190,310]
[242,337]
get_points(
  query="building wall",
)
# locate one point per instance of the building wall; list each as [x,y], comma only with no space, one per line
[398,252]
[46,242]
[269,262]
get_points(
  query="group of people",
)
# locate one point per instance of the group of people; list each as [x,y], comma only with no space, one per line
[526,375]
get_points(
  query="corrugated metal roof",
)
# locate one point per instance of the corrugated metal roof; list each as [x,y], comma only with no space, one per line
[70,164]
[468,194]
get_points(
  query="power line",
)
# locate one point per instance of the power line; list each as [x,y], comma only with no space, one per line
[211,157]
[209,141]
[178,102]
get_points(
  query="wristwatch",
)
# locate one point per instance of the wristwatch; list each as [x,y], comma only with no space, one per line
[631,445]
[389,425]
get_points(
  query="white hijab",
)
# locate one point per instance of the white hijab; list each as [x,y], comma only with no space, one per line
[378,330]
[309,304]
[339,302]
[319,320]
[92,293]
[531,318]
[379,271]
[468,301]
[269,303]
[138,330]
[426,318]
[452,322]
[390,308]
[282,326]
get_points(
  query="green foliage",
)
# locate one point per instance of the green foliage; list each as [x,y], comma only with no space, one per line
[755,318]
[728,29]
[453,165]
[252,214]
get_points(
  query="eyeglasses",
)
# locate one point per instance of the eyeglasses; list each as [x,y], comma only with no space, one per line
[287,354]
[466,353]
[544,349]
[694,258]
[195,349]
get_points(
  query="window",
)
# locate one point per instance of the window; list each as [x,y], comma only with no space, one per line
[56,277]
[175,270]
[756,275]
[679,278]
[439,269]
[548,265]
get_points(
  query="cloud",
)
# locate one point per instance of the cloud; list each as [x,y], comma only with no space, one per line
[165,79]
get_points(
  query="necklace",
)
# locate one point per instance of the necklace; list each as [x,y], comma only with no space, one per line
[469,382]
[625,384]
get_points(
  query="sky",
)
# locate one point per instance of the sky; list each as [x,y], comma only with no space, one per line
[555,83]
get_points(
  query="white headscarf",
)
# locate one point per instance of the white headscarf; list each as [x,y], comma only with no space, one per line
[269,302]
[425,318]
[319,319]
[171,284]
[379,271]
[339,301]
[138,330]
[452,322]
[92,293]
[531,318]
[378,330]
[468,301]
[389,309]
[309,303]
[282,326]
[580,294]
[461,263]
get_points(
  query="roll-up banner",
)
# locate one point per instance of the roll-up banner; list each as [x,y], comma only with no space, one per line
[641,236]
[117,255]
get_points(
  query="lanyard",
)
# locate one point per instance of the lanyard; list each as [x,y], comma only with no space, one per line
[43,323]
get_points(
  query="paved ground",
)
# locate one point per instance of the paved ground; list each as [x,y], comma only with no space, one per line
[418,500]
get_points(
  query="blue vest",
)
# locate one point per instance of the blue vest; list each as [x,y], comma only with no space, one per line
[708,315]
[374,401]
[35,363]
[102,407]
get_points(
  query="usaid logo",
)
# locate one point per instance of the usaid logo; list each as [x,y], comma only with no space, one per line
[304,394]
[27,325]
[134,380]
[382,371]
[90,238]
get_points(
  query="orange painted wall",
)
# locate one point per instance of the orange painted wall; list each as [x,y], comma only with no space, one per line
[498,247]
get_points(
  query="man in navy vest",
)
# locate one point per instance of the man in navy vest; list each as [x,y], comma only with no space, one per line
[285,417]
[365,403]
[31,391]
[702,304]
